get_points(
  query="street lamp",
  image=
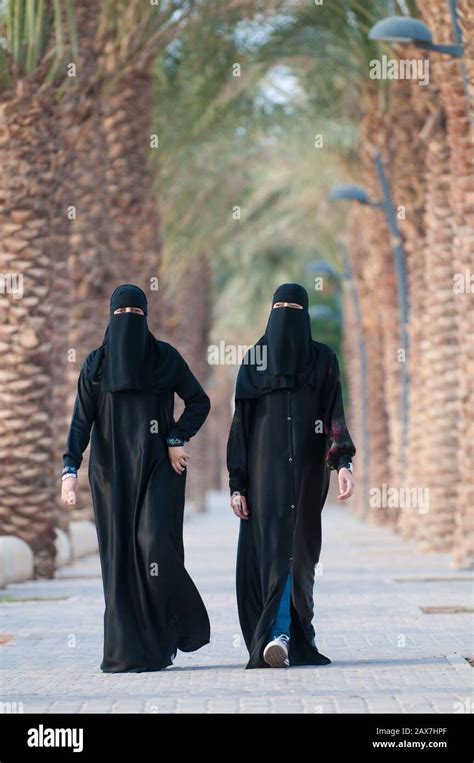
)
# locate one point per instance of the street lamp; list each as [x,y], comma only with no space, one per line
[405,29]
[351,193]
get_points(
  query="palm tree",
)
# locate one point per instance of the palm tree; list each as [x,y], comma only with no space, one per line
[376,283]
[407,112]
[90,256]
[464,536]
[452,516]
[33,244]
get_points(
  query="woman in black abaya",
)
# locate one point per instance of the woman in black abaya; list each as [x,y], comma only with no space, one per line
[137,475]
[287,433]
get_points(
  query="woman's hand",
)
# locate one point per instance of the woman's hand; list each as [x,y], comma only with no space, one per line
[70,491]
[346,484]
[239,506]
[178,458]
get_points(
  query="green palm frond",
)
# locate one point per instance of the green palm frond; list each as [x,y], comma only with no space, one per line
[37,35]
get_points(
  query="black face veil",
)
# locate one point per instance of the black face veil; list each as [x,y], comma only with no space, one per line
[287,348]
[288,333]
[128,344]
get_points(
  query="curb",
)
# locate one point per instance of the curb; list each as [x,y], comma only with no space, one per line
[16,560]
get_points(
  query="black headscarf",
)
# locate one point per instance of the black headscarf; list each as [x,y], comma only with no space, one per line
[128,344]
[289,348]
[130,358]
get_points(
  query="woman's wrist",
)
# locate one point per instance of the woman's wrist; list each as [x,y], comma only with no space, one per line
[346,465]
[69,471]
[175,442]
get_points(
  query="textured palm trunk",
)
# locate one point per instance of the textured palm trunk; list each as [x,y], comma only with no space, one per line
[188,321]
[114,236]
[60,307]
[411,181]
[30,157]
[379,307]
[90,256]
[457,530]
[449,350]
[437,468]
[355,331]
[464,200]
[386,138]
[405,150]
[433,444]
[133,221]
[221,391]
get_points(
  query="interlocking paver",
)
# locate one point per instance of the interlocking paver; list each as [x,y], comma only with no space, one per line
[387,656]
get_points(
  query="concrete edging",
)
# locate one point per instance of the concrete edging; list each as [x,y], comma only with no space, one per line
[16,560]
[16,557]
[83,537]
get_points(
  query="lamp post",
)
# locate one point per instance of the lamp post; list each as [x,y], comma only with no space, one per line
[325,268]
[355,193]
[405,29]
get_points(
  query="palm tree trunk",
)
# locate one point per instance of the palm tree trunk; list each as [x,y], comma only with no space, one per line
[355,331]
[455,316]
[133,221]
[90,257]
[378,306]
[189,319]
[464,530]
[405,151]
[30,152]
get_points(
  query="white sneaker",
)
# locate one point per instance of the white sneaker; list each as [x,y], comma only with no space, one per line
[275,653]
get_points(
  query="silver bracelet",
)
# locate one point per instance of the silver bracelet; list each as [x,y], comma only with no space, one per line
[69,474]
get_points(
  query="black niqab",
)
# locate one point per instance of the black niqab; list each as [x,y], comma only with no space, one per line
[130,357]
[286,347]
[128,344]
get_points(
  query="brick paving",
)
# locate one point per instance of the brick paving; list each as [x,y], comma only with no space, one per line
[387,655]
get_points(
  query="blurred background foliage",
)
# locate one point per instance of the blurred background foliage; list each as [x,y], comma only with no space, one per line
[238,108]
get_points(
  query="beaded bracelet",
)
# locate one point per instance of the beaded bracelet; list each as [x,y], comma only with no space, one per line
[174,441]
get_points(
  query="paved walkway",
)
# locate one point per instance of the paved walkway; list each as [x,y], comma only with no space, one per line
[387,655]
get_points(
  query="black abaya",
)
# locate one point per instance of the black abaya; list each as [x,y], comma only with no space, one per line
[152,607]
[279,458]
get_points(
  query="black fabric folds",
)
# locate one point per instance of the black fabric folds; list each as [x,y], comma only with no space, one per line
[152,607]
[282,445]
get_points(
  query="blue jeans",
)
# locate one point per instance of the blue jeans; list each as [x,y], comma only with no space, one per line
[281,624]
